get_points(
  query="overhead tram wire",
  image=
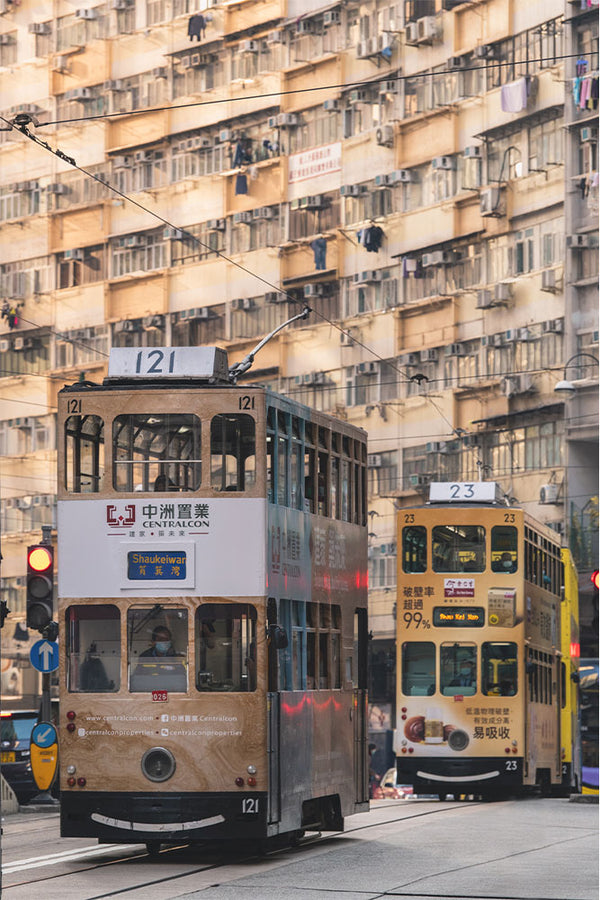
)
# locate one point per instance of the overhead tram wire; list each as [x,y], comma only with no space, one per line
[340,86]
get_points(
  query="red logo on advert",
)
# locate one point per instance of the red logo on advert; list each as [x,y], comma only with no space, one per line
[122,520]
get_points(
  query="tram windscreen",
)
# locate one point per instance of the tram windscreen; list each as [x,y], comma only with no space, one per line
[159,451]
[93,650]
[458,548]
[157,649]
[226,647]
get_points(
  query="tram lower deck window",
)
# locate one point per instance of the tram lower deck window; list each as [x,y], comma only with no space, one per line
[418,668]
[226,656]
[93,648]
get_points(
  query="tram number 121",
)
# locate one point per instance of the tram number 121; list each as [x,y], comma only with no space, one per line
[250,805]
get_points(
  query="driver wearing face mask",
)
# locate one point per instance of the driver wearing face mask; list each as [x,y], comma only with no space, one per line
[161,643]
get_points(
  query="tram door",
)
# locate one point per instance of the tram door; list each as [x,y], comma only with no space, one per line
[274,812]
[360,707]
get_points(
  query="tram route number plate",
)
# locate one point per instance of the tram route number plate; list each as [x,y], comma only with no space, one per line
[156,565]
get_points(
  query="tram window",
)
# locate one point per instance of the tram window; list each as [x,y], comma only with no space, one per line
[414,549]
[323,489]
[336,647]
[270,454]
[324,625]
[283,453]
[345,495]
[93,648]
[418,668]
[226,656]
[296,480]
[311,645]
[232,452]
[458,548]
[156,451]
[458,669]
[504,548]
[84,454]
[359,655]
[310,471]
[499,668]
[157,638]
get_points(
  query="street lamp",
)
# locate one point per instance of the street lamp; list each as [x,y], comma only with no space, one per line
[568,387]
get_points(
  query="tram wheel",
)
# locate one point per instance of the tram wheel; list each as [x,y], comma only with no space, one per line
[153,848]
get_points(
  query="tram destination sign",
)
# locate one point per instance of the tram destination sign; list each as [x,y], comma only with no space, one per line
[156,565]
[459,616]
[207,363]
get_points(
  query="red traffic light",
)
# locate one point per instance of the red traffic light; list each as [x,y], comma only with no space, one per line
[39,558]
[595,579]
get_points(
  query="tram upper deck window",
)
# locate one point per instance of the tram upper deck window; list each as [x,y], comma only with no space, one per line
[84,454]
[232,452]
[458,548]
[93,648]
[458,669]
[226,658]
[157,451]
[157,649]
[499,668]
[504,548]
[414,549]
[418,668]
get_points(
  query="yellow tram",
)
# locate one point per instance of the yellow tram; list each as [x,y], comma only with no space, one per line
[485,690]
[212,605]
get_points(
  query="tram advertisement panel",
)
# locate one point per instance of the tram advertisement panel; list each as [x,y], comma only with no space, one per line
[166,545]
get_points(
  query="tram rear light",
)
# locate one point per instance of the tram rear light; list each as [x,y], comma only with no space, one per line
[404,709]
[404,750]
[71,726]
[404,716]
[411,749]
[71,714]
[507,749]
[239,781]
[81,782]
[252,781]
[71,781]
[514,749]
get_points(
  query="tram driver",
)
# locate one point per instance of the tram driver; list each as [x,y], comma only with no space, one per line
[160,666]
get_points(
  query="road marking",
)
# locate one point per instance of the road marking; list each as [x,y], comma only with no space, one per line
[54,859]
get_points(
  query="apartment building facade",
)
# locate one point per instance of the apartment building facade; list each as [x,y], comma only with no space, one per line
[422,174]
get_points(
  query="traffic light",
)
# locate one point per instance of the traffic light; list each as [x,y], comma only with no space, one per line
[595,578]
[40,585]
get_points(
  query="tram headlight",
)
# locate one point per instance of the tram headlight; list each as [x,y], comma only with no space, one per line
[158,764]
[251,770]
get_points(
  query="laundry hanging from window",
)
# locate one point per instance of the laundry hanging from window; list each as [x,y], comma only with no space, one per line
[371,238]
[319,248]
[197,27]
[241,184]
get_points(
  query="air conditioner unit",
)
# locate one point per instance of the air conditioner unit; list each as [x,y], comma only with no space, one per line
[374,460]
[39,28]
[61,64]
[74,254]
[457,62]
[276,37]
[5,346]
[185,61]
[358,96]
[313,201]
[497,340]
[385,135]
[244,303]
[472,152]
[553,326]
[549,281]
[126,326]
[368,277]
[489,201]
[19,343]
[346,339]
[314,290]
[549,494]
[427,29]
[436,447]
[122,162]
[215,225]
[263,212]
[511,335]
[526,335]
[420,480]
[153,323]
[198,313]
[382,180]
[438,258]
[57,188]
[410,359]
[454,350]
[199,143]
[367,368]
[588,133]
[242,218]
[272,121]
[353,190]
[305,26]
[86,13]
[80,94]
[404,176]
[23,502]
[331,104]
[120,4]
[225,134]
[287,120]
[443,162]
[484,51]
[249,47]
[428,355]
[485,300]
[363,50]
[160,72]
[25,187]
[502,292]
[116,85]
[411,34]
[389,87]
[578,241]
[274,297]
[132,240]
[332,17]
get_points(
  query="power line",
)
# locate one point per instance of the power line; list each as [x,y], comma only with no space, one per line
[341,86]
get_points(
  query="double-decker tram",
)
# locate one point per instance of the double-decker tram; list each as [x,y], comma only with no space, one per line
[212,606]
[481,676]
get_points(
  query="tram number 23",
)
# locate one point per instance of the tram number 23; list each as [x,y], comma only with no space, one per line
[250,805]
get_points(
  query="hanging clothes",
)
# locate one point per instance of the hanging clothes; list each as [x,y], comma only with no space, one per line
[513,96]
[373,239]
[241,184]
[319,248]
[197,27]
[242,154]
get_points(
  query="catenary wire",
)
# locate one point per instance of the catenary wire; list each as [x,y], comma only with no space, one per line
[327,87]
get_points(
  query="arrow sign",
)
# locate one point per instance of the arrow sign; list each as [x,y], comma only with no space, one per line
[44,735]
[44,656]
